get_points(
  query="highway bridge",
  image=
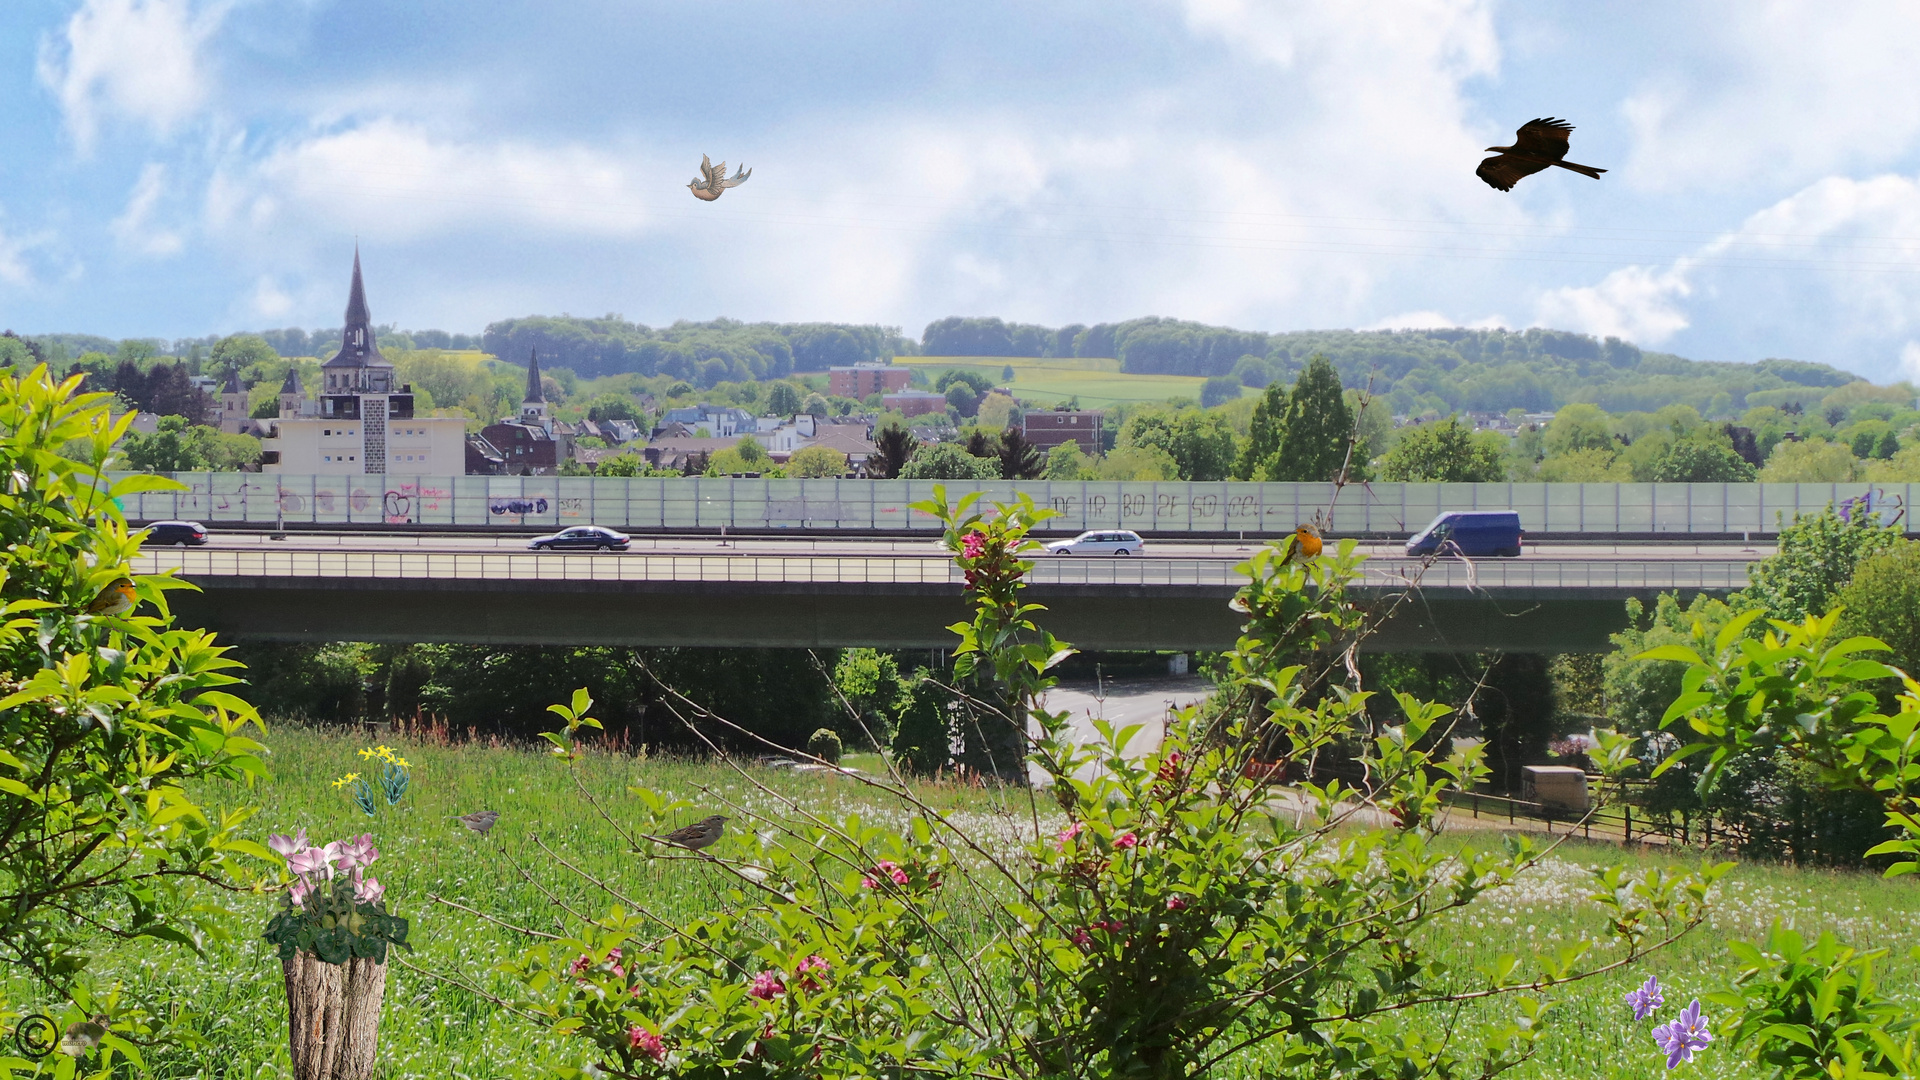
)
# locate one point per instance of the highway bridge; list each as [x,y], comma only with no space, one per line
[836,591]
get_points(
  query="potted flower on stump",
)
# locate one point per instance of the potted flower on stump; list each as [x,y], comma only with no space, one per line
[333,931]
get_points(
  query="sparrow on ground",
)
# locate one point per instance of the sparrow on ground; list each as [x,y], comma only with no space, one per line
[480,820]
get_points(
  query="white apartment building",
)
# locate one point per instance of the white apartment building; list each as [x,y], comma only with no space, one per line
[362,422]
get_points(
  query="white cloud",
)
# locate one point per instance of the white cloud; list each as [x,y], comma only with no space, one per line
[140,59]
[1430,320]
[269,300]
[134,228]
[396,179]
[1633,302]
[1776,92]
[1910,362]
[13,264]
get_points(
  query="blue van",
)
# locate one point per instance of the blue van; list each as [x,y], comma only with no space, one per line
[1473,532]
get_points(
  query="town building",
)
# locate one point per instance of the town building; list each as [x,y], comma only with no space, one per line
[862,381]
[363,421]
[718,421]
[914,402]
[531,444]
[1047,430]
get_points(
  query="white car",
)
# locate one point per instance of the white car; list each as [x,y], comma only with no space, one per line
[1099,542]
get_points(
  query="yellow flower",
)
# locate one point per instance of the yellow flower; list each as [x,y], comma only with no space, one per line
[347,779]
[366,753]
[400,761]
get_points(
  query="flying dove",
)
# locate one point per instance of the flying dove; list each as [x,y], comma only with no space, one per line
[713,180]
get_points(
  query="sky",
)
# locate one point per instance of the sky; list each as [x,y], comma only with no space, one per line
[177,168]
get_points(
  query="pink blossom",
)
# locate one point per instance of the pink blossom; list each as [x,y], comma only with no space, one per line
[1125,841]
[1082,938]
[579,967]
[299,891]
[1176,903]
[313,860]
[287,845]
[1068,833]
[356,852]
[973,545]
[367,890]
[1111,926]
[767,986]
[893,872]
[646,1042]
[867,882]
[806,971]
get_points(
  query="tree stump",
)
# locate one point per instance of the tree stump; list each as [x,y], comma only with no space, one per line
[333,1016]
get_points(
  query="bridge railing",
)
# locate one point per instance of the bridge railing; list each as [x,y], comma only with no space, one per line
[932,568]
[1165,508]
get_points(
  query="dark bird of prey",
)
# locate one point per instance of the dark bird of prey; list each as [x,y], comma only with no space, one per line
[1538,144]
[714,181]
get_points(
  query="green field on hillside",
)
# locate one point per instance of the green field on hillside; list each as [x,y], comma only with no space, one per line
[1097,383]
[431,1029]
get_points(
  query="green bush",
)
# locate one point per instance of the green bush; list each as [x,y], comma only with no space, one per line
[825,745]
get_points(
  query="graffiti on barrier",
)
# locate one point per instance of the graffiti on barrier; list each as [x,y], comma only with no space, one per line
[517,506]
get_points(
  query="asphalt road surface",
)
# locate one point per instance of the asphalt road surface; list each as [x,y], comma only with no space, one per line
[918,547]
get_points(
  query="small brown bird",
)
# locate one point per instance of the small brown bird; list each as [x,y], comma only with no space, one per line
[480,820]
[116,599]
[696,836]
[714,181]
[1306,544]
[1537,145]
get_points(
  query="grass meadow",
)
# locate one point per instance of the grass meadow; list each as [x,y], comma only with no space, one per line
[1097,383]
[431,1029]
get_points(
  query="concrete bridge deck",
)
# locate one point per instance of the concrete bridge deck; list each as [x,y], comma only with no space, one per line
[886,599]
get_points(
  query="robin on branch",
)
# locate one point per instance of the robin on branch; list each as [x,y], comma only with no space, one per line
[697,836]
[116,599]
[1306,544]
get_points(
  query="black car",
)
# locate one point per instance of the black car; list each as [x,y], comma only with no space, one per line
[183,533]
[581,538]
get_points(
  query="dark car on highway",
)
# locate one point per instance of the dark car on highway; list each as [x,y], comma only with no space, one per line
[581,538]
[183,533]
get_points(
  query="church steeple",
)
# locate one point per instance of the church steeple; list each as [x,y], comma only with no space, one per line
[534,392]
[359,348]
[533,407]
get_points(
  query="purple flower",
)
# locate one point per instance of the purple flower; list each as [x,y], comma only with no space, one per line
[299,892]
[1685,1035]
[1645,1000]
[287,845]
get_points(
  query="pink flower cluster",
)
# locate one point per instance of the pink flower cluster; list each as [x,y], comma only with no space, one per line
[1083,937]
[973,545]
[581,966]
[812,972]
[313,866]
[884,869]
[766,986]
[1126,841]
[1176,903]
[646,1042]
[1067,835]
